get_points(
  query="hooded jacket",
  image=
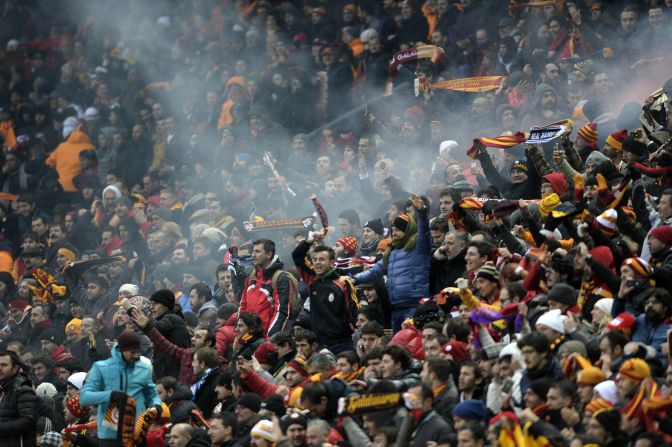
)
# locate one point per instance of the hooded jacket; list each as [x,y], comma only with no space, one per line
[271,304]
[533,115]
[407,270]
[180,404]
[65,158]
[18,412]
[174,329]
[114,374]
[528,189]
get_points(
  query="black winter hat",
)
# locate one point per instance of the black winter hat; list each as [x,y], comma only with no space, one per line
[251,401]
[165,297]
[51,335]
[401,222]
[376,225]
[562,293]
[636,147]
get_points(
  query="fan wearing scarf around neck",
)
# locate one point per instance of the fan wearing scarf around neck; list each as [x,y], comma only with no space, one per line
[405,262]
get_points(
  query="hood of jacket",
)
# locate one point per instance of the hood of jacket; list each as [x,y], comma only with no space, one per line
[79,137]
[182,392]
[276,264]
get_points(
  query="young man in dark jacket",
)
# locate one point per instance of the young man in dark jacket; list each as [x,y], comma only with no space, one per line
[172,327]
[18,404]
[331,298]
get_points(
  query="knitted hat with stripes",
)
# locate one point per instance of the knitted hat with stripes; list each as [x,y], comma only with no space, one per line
[616,139]
[588,132]
[350,245]
[489,272]
[606,222]
[639,266]
[263,429]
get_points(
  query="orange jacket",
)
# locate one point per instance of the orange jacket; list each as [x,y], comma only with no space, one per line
[65,159]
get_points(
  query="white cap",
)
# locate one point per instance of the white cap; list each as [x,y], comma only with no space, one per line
[367,34]
[447,145]
[91,114]
[163,21]
[607,391]
[69,126]
[45,389]
[552,319]
[77,379]
[130,288]
[13,43]
[604,304]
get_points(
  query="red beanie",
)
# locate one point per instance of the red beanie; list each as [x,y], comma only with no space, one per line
[604,256]
[616,139]
[557,182]
[264,351]
[663,233]
[74,407]
[350,245]
[588,132]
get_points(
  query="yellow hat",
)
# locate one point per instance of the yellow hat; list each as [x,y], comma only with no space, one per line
[548,204]
[74,326]
[635,369]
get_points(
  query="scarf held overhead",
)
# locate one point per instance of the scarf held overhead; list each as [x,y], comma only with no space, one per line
[501,142]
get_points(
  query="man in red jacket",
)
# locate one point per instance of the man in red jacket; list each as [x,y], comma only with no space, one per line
[259,295]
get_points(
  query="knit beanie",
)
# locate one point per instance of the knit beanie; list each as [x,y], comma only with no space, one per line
[77,379]
[520,165]
[46,389]
[165,297]
[588,132]
[488,271]
[401,222]
[225,311]
[563,294]
[553,320]
[635,369]
[128,341]
[350,245]
[375,225]
[605,305]
[609,419]
[540,387]
[607,390]
[132,289]
[596,158]
[557,182]
[663,233]
[293,419]
[606,222]
[74,326]
[251,401]
[472,409]
[264,353]
[458,350]
[264,429]
[635,147]
[638,265]
[616,139]
[74,407]
[299,364]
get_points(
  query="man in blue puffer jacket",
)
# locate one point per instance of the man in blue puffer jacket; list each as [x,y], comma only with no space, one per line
[111,379]
[406,263]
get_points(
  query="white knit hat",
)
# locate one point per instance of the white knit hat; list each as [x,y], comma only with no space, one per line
[263,428]
[77,379]
[552,319]
[91,114]
[605,305]
[607,390]
[447,145]
[608,220]
[130,288]
[46,389]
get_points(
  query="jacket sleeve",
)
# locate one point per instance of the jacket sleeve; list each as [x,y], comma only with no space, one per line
[162,345]
[604,273]
[243,297]
[92,392]
[282,294]
[259,385]
[299,257]
[491,173]
[375,272]
[538,160]
[356,435]
[423,244]
[221,342]
[26,409]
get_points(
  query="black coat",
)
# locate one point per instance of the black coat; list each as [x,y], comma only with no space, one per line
[206,396]
[18,412]
[432,427]
[444,273]
[180,405]
[175,330]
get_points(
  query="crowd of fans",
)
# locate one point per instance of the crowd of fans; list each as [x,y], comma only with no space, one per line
[247,223]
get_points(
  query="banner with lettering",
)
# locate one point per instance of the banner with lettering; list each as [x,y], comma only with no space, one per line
[548,132]
[367,403]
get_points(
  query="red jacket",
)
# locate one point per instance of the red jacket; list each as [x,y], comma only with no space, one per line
[271,304]
[226,335]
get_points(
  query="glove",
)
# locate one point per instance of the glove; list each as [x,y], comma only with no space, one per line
[117,395]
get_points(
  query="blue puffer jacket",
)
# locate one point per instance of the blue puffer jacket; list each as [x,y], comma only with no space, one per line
[651,335]
[114,374]
[407,271]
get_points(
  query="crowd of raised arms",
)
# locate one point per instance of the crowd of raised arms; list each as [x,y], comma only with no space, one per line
[355,223]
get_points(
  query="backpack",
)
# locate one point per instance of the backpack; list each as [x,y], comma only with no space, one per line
[352,302]
[295,301]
